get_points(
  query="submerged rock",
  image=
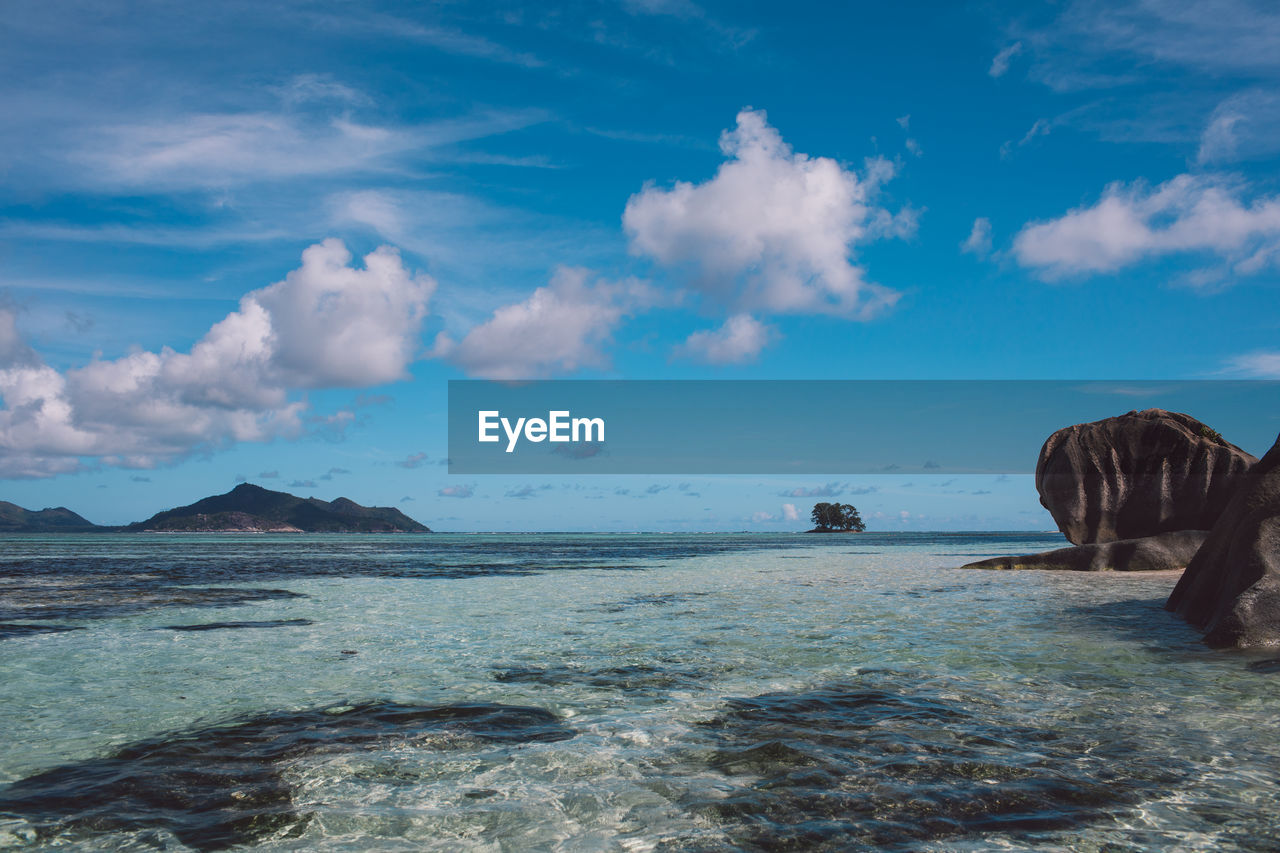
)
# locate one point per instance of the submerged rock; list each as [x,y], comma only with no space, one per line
[225,785]
[891,761]
[1232,587]
[1163,553]
[1137,475]
[16,629]
[221,626]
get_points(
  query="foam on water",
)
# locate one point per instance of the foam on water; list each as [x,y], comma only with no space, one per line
[706,693]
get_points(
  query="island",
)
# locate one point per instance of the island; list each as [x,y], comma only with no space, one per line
[252,509]
[15,519]
[830,518]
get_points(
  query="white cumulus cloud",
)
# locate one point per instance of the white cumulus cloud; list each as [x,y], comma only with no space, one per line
[738,341]
[560,328]
[327,324]
[1131,223]
[790,513]
[774,230]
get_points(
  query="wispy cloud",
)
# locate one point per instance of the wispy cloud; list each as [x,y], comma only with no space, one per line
[1161,67]
[413,460]
[1245,126]
[212,150]
[1041,127]
[1260,364]
[1000,62]
[526,492]
[827,490]
[436,35]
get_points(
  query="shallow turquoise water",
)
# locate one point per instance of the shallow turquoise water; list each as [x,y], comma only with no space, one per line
[565,692]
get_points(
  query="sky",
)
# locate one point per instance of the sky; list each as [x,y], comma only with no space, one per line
[253,242]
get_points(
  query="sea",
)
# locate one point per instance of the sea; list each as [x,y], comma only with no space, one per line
[610,692]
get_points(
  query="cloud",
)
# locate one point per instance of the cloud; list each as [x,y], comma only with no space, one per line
[268,475]
[1041,127]
[655,489]
[1245,126]
[137,479]
[456,492]
[1131,223]
[675,8]
[560,328]
[1097,44]
[738,341]
[413,460]
[829,490]
[443,38]
[1261,364]
[687,10]
[302,484]
[1219,36]
[327,324]
[78,323]
[332,472]
[527,491]
[14,351]
[319,88]
[790,513]
[1000,63]
[979,240]
[579,449]
[773,230]
[218,150]
[1159,67]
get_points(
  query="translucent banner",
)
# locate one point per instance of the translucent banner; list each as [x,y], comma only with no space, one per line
[813,427]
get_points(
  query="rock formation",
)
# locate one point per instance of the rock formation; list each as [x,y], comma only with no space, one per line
[1166,552]
[1232,586]
[1137,475]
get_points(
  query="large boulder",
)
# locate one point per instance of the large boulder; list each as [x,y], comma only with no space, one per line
[1163,553]
[1137,475]
[1231,588]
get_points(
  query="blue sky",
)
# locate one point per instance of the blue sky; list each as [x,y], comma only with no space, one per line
[196,197]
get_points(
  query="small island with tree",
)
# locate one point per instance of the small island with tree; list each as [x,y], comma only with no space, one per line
[832,518]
